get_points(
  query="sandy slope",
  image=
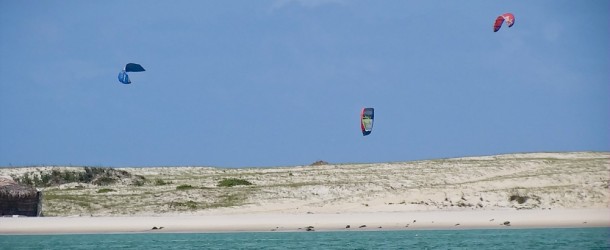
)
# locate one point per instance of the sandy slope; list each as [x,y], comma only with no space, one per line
[545,180]
[517,184]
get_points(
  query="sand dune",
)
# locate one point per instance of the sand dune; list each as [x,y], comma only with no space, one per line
[526,186]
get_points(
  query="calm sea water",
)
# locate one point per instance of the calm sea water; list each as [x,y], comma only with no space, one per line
[572,238]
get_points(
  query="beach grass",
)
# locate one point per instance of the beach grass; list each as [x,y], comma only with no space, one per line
[519,181]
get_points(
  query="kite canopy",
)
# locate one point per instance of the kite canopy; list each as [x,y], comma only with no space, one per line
[366,120]
[123,77]
[134,67]
[130,67]
[508,17]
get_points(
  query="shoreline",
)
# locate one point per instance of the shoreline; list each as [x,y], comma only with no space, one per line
[290,222]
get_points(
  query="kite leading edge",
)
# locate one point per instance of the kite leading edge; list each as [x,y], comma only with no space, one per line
[509,18]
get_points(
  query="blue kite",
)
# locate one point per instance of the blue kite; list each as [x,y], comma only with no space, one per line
[130,67]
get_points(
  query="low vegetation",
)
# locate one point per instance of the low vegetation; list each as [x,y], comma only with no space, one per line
[160,182]
[91,175]
[319,163]
[105,190]
[188,204]
[518,198]
[230,182]
[477,183]
[184,187]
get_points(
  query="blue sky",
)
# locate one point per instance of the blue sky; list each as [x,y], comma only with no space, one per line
[276,83]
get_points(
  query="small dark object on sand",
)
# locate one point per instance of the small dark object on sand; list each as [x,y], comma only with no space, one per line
[362,226]
[319,163]
[506,223]
[309,228]
[347,226]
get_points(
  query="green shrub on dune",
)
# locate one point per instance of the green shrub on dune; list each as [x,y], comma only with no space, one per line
[233,182]
[184,187]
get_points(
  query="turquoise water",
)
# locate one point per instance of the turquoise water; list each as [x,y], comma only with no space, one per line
[570,238]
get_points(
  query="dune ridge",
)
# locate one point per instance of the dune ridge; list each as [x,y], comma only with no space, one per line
[526,186]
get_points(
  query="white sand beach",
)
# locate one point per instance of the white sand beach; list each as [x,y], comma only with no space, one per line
[282,222]
[524,190]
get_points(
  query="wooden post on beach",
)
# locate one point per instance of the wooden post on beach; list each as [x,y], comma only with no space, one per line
[39,197]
